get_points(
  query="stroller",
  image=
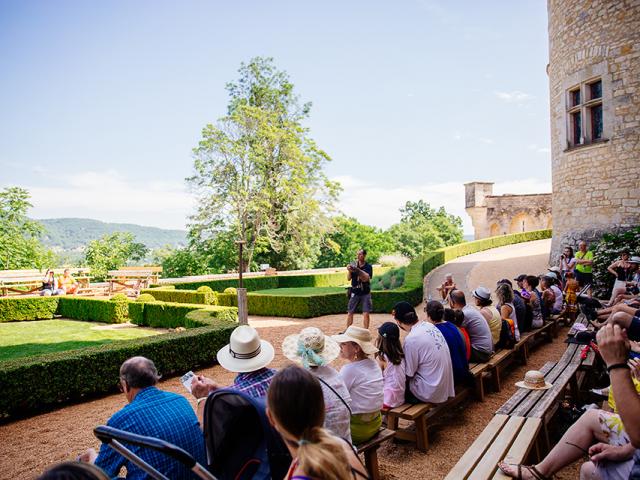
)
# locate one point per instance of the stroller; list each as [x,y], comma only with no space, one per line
[240,442]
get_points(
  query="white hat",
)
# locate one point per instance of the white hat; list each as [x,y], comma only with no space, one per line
[483,293]
[551,275]
[534,380]
[634,259]
[310,347]
[554,269]
[361,336]
[245,352]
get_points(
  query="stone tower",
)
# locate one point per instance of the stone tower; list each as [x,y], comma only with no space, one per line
[594,83]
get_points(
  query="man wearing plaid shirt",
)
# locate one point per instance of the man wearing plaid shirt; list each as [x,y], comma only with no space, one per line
[154,413]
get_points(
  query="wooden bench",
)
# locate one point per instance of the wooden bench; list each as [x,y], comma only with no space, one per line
[420,414]
[155,272]
[479,371]
[532,336]
[511,439]
[370,451]
[25,282]
[130,281]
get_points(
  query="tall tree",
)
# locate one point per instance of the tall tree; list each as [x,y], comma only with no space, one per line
[258,174]
[111,252]
[20,246]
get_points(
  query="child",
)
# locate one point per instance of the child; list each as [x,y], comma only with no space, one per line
[457,317]
[571,296]
[391,360]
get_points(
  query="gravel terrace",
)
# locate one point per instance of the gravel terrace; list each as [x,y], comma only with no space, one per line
[28,446]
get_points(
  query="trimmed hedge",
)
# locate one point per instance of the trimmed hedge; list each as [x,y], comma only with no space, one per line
[13,309]
[172,315]
[115,310]
[181,296]
[37,383]
[251,284]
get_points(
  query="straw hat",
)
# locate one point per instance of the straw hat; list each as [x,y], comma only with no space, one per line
[245,352]
[310,347]
[534,380]
[361,336]
[482,293]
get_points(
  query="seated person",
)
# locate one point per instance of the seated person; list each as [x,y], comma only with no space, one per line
[315,351]
[476,326]
[295,407]
[427,358]
[455,342]
[155,413]
[68,283]
[456,317]
[552,284]
[548,298]
[523,317]
[363,378]
[248,356]
[491,314]
[446,287]
[50,285]
[390,357]
[535,300]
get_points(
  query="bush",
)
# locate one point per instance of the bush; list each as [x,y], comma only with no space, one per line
[146,297]
[136,312]
[251,284]
[231,291]
[607,251]
[14,309]
[115,310]
[182,296]
[209,295]
[172,315]
[35,383]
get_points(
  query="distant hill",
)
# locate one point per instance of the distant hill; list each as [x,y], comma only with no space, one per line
[73,234]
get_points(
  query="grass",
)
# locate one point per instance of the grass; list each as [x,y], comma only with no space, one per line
[24,339]
[300,292]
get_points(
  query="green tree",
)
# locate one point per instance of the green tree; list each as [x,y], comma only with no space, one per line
[111,252]
[347,237]
[259,176]
[20,246]
[180,262]
[423,228]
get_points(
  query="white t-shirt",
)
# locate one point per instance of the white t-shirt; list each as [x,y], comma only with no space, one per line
[557,305]
[364,381]
[337,418]
[395,380]
[428,363]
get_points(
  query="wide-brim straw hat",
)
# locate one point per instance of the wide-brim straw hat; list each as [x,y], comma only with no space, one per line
[361,336]
[311,338]
[246,352]
[534,380]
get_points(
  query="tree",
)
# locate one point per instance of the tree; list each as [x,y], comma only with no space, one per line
[180,262]
[423,228]
[20,246]
[111,252]
[258,174]
[347,237]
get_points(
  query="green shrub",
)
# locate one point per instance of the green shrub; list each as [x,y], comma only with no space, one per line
[13,309]
[181,296]
[172,315]
[227,299]
[146,297]
[607,251]
[251,284]
[209,295]
[40,382]
[115,310]
[136,312]
[119,297]
[231,290]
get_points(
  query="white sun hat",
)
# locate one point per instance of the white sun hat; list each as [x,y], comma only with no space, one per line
[534,380]
[359,335]
[310,347]
[245,352]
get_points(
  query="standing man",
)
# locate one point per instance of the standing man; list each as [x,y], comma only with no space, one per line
[359,273]
[584,266]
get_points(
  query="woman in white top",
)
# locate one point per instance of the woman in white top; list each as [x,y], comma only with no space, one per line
[315,351]
[567,261]
[504,293]
[363,378]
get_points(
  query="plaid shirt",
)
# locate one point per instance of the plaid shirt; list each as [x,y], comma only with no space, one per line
[160,414]
[254,384]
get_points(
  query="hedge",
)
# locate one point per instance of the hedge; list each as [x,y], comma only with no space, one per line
[181,296]
[251,284]
[115,310]
[172,315]
[36,383]
[13,309]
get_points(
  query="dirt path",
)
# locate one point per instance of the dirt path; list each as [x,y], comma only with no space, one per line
[28,446]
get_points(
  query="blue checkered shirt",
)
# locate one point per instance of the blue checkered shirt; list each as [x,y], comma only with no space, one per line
[160,414]
[255,384]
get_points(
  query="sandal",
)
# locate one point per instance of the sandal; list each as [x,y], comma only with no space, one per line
[535,473]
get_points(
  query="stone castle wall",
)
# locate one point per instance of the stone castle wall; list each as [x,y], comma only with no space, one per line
[596,187]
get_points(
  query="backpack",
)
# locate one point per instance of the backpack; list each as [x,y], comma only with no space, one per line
[507,335]
[241,444]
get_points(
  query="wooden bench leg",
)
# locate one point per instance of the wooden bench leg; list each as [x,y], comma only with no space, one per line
[479,384]
[371,462]
[496,379]
[422,439]
[392,422]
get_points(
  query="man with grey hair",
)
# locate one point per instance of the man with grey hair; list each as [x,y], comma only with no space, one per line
[155,413]
[446,287]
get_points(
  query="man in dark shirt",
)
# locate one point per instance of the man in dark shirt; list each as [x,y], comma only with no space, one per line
[359,274]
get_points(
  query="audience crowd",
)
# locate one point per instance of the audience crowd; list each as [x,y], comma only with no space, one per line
[321,412]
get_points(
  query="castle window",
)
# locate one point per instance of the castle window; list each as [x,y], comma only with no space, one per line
[584,113]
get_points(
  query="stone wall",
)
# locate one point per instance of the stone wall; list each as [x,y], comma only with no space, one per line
[596,187]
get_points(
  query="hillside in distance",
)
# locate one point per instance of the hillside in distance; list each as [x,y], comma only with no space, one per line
[73,234]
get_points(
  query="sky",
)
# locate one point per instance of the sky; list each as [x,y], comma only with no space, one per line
[101,103]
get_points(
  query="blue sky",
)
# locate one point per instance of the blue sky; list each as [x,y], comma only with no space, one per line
[102,102]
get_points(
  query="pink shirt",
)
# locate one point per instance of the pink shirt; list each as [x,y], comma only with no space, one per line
[394,383]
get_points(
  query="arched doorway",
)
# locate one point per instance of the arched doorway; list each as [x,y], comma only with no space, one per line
[522,222]
[494,230]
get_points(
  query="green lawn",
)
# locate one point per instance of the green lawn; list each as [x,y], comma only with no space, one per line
[24,339]
[301,292]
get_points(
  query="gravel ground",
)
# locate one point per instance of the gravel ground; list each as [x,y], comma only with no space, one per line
[28,446]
